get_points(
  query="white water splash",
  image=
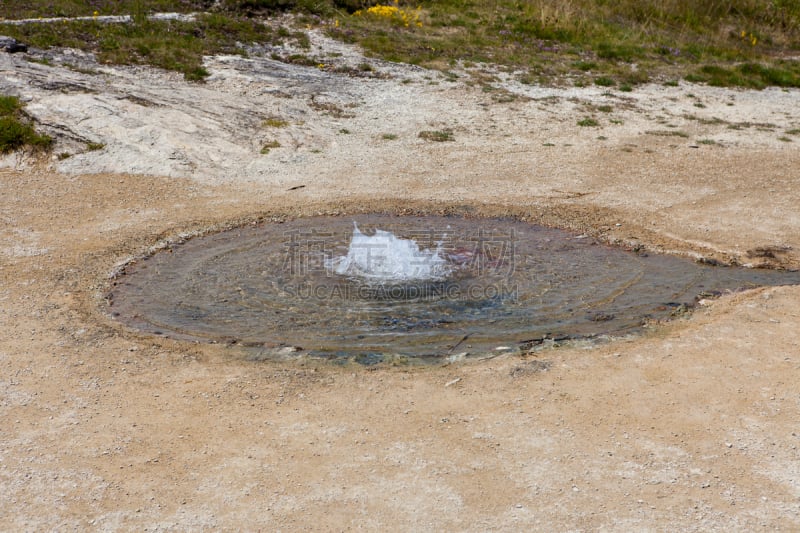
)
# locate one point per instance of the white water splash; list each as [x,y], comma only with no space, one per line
[385,258]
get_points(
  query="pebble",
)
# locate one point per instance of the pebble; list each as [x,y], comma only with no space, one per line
[452,382]
[11,45]
[286,350]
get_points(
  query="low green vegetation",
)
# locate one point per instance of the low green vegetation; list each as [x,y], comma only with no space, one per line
[622,43]
[170,44]
[617,44]
[437,135]
[16,131]
[19,9]
[667,133]
[781,73]
[275,122]
[269,146]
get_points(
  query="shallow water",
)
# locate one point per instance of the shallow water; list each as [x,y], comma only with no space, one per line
[512,284]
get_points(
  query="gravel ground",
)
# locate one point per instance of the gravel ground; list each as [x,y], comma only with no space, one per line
[692,426]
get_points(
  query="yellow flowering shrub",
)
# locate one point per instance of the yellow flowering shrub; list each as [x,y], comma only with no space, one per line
[394,14]
[752,39]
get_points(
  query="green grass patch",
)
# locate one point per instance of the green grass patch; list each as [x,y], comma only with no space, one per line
[171,45]
[736,42]
[588,122]
[9,105]
[275,122]
[18,9]
[269,146]
[16,131]
[752,75]
[667,133]
[389,137]
[95,146]
[545,39]
[585,66]
[437,135]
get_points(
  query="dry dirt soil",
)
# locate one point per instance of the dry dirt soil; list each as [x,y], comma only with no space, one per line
[692,426]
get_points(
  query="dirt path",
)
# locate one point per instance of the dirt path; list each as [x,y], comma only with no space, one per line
[693,426]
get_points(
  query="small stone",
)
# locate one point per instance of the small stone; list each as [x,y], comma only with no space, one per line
[457,357]
[452,382]
[11,45]
[287,350]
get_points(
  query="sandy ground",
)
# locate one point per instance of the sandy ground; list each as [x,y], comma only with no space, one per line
[693,426]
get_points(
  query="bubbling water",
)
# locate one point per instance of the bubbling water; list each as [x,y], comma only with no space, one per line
[421,288]
[385,258]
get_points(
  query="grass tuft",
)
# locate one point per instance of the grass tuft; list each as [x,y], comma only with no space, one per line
[667,133]
[751,75]
[269,146]
[275,122]
[9,105]
[16,132]
[437,136]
